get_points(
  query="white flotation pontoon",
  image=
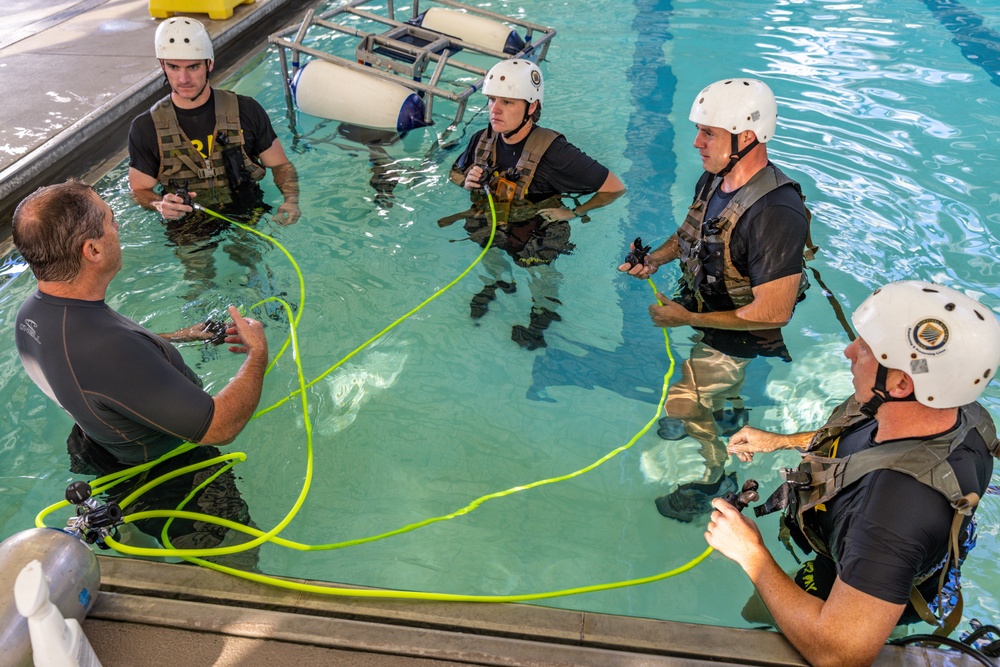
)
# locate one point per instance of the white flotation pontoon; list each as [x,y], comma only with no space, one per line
[396,74]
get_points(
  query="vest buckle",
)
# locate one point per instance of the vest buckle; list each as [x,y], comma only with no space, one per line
[796,477]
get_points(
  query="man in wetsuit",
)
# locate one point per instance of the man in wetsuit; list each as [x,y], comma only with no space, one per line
[128,390]
[886,486]
[740,250]
[527,169]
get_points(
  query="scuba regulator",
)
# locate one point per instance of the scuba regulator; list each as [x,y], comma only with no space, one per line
[93,521]
[500,183]
[180,189]
[637,255]
[748,494]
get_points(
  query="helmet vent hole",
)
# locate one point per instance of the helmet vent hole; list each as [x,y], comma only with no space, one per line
[949,307]
[979,315]
[930,399]
[885,356]
[913,355]
[986,375]
[976,382]
[929,290]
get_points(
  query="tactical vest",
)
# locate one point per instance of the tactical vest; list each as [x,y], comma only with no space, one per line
[819,478]
[695,237]
[180,160]
[510,200]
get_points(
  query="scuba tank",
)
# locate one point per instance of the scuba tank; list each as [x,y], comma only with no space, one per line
[66,557]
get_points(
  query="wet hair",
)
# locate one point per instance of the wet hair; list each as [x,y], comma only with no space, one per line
[51,225]
[538,113]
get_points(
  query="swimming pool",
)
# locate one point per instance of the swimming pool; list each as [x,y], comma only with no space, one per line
[888,125]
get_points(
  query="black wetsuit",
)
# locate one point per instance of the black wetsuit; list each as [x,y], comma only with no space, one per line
[892,527]
[127,388]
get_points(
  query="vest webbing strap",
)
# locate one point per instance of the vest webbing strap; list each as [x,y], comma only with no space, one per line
[946,625]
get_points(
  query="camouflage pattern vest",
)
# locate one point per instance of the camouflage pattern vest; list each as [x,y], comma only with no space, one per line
[819,478]
[695,237]
[180,160]
[510,198]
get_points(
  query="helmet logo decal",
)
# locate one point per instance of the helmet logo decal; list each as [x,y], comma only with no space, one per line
[929,336]
[536,78]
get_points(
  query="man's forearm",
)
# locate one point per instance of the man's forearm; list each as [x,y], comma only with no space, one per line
[287,180]
[666,253]
[597,201]
[146,198]
[236,402]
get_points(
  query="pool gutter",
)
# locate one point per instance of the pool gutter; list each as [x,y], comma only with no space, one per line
[198,606]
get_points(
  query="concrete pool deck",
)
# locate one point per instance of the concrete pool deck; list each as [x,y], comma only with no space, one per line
[75,72]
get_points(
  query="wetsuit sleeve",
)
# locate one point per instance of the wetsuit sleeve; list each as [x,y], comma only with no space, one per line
[149,390]
[768,242]
[565,169]
[258,132]
[143,149]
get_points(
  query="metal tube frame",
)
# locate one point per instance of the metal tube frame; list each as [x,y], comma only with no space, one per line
[422,55]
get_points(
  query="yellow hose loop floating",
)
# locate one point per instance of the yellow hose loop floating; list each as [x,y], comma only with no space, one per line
[196,555]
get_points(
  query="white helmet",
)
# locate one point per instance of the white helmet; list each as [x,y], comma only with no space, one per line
[516,79]
[947,342]
[182,38]
[737,105]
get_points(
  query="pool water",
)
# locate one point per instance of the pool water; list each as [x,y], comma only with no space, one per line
[887,116]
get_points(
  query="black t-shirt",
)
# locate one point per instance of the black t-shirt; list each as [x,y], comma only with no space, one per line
[126,387]
[563,169]
[766,244]
[768,240]
[199,126]
[893,527]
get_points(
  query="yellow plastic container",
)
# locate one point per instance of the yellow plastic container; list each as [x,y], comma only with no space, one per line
[216,9]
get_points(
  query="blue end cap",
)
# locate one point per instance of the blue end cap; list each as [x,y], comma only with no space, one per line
[294,83]
[418,19]
[514,43]
[411,114]
[86,599]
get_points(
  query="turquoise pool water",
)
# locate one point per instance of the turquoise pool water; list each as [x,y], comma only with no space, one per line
[888,119]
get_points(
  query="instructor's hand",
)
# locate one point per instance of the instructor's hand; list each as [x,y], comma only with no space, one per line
[245,336]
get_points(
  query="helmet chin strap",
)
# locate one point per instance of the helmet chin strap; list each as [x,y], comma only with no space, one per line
[508,135]
[524,121]
[881,394]
[735,154]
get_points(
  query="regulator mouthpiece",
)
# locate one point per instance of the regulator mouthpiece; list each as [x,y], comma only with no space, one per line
[637,255]
[746,496]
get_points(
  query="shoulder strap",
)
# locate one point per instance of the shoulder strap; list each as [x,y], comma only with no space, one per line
[538,142]
[947,624]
